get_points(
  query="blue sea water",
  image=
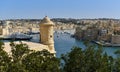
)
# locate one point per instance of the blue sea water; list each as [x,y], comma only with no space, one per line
[64,42]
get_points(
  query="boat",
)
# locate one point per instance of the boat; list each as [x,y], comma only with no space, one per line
[32,33]
[16,36]
[106,44]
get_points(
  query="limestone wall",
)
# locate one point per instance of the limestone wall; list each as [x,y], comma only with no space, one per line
[115,39]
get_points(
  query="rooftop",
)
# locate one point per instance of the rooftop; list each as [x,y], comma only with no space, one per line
[46,21]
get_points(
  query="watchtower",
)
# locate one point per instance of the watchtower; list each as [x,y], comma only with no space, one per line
[47,33]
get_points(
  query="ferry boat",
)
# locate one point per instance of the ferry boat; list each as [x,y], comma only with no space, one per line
[105,44]
[16,36]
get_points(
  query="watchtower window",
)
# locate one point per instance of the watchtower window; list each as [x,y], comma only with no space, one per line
[50,36]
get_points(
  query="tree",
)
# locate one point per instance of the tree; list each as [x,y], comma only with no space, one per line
[41,61]
[88,60]
[117,65]
[16,67]
[19,51]
[25,60]
[4,59]
[117,62]
[74,60]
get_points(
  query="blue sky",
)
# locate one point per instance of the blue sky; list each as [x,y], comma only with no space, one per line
[18,9]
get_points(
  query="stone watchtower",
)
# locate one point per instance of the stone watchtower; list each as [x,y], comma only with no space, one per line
[46,33]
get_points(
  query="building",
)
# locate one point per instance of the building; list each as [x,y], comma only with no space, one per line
[46,38]
[46,33]
[115,39]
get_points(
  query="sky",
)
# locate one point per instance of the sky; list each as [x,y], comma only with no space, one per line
[36,9]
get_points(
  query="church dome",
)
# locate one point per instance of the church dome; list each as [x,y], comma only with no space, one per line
[46,21]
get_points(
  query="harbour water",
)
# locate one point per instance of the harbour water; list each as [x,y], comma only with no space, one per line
[64,42]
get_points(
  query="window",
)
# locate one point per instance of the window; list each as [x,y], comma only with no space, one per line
[50,36]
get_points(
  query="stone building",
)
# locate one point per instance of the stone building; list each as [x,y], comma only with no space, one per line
[46,33]
[115,39]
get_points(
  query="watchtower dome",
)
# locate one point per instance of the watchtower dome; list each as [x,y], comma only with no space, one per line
[46,33]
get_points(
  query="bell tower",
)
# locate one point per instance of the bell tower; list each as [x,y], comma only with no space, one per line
[46,33]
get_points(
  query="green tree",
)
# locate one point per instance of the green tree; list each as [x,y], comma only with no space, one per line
[16,67]
[19,51]
[87,60]
[4,59]
[117,62]
[74,60]
[41,61]
[117,65]
[25,60]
